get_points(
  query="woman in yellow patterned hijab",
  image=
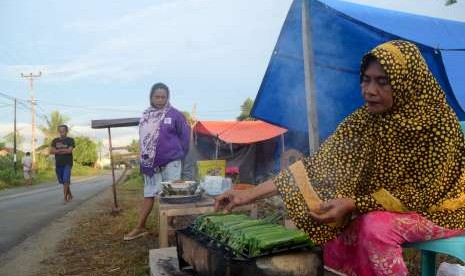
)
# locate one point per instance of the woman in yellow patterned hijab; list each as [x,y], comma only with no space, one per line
[392,172]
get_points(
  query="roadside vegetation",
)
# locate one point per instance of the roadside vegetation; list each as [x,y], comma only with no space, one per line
[85,155]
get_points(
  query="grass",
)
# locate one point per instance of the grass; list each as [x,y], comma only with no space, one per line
[45,176]
[17,180]
[95,245]
[78,170]
[9,179]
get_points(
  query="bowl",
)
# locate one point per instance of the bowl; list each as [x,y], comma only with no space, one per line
[181,199]
[179,188]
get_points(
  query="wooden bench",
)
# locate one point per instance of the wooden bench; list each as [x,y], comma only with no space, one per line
[205,205]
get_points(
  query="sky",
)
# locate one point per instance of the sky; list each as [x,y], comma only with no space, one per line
[99,58]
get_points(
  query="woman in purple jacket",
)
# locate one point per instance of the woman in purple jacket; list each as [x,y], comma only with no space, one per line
[164,141]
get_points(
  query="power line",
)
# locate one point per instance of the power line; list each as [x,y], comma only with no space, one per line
[90,107]
[119,108]
[43,112]
[24,104]
[96,109]
[4,95]
[7,96]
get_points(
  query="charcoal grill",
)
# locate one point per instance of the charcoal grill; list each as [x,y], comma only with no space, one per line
[203,256]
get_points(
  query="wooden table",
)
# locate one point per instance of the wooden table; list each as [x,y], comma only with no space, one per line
[205,205]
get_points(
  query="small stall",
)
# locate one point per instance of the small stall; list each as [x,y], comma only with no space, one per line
[109,124]
[253,147]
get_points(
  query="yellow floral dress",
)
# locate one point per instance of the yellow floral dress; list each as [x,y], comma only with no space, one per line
[410,159]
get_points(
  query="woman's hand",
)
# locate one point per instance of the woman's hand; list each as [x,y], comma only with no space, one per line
[232,198]
[334,210]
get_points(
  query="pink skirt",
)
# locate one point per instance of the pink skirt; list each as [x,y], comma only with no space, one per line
[371,243]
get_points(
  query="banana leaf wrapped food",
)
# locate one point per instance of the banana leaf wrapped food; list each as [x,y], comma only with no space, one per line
[245,236]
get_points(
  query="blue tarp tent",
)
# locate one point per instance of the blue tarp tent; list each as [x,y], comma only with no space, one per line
[341,33]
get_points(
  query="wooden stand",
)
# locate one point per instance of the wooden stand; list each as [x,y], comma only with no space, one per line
[205,205]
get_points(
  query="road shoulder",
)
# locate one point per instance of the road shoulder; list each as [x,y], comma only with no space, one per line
[26,258]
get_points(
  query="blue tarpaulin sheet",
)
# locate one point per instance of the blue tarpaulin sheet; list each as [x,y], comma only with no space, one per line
[342,33]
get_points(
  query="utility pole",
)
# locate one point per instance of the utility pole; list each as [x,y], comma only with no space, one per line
[14,141]
[194,113]
[30,77]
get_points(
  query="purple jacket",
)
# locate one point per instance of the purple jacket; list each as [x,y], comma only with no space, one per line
[173,140]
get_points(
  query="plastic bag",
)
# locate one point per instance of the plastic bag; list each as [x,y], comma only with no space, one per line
[447,269]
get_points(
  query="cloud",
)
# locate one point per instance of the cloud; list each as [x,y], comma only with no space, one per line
[182,38]
[130,18]
[172,37]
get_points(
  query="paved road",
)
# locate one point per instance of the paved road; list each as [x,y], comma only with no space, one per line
[25,210]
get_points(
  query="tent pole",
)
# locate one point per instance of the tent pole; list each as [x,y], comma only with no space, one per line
[310,91]
[283,147]
[231,148]
[217,145]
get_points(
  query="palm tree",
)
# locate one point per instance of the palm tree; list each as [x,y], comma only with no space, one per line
[246,108]
[188,117]
[134,146]
[52,122]
[9,139]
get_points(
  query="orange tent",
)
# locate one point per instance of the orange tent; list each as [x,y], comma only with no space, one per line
[239,132]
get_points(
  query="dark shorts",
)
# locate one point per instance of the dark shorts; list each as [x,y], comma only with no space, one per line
[63,173]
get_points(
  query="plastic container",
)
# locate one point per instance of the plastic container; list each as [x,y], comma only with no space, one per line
[212,184]
[227,184]
[447,269]
[215,185]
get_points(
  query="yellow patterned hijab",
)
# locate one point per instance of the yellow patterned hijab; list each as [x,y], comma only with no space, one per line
[411,158]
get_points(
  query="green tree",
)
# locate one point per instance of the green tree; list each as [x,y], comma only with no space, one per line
[246,108]
[51,124]
[134,146]
[189,118]
[9,139]
[85,152]
[450,2]
[99,148]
